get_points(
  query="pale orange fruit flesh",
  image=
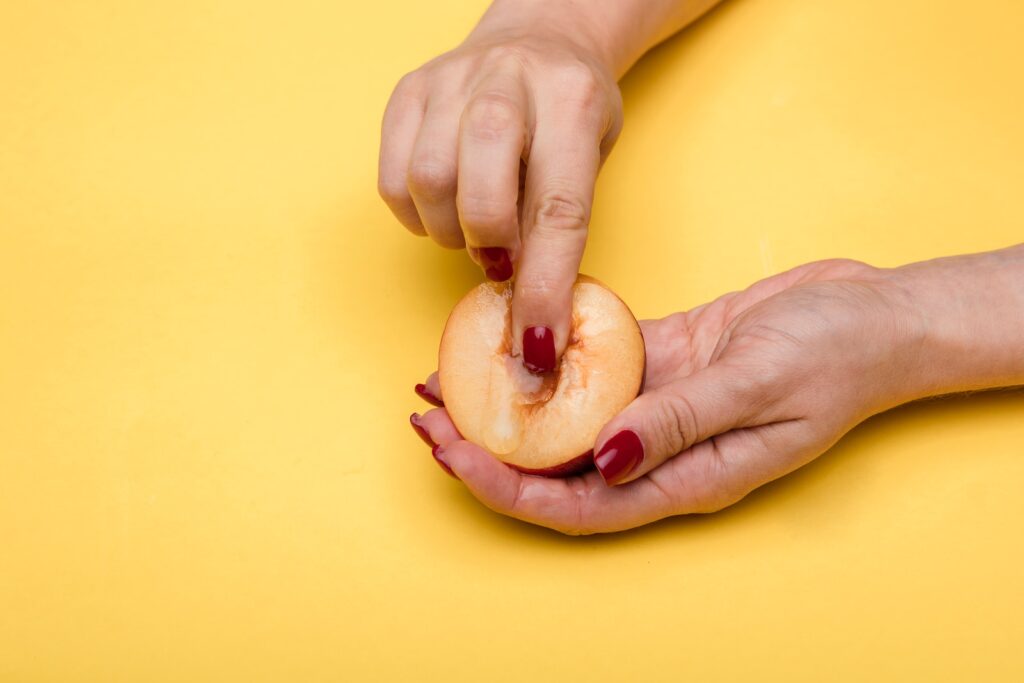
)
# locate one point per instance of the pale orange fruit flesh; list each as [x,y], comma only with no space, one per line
[544,424]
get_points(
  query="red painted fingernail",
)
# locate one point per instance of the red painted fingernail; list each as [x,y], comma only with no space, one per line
[539,349]
[414,420]
[424,393]
[620,455]
[437,452]
[496,263]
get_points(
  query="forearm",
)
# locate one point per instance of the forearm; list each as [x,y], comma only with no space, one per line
[968,314]
[618,32]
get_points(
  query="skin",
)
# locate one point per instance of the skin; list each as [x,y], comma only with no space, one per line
[757,383]
[498,142]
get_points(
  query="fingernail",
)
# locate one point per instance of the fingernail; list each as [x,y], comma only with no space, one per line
[496,263]
[539,349]
[438,454]
[620,455]
[414,420]
[424,393]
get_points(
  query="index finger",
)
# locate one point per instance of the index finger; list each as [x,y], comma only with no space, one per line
[565,156]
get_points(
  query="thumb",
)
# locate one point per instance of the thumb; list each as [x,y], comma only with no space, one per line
[661,423]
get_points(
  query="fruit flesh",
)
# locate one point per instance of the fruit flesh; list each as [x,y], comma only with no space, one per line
[539,423]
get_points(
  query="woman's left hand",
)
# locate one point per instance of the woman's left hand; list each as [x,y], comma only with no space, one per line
[737,393]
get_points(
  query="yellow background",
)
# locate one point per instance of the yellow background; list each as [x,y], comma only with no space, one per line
[210,327]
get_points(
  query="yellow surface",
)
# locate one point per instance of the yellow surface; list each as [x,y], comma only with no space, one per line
[210,327]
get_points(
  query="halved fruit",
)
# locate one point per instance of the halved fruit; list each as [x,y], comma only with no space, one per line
[541,424]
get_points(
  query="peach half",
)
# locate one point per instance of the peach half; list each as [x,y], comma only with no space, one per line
[539,424]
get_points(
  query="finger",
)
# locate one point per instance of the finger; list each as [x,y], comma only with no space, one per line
[565,155]
[661,423]
[435,429]
[492,136]
[430,391]
[432,173]
[439,427]
[402,119]
[579,505]
[720,471]
[433,385]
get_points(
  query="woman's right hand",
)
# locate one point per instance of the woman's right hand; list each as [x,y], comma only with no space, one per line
[496,146]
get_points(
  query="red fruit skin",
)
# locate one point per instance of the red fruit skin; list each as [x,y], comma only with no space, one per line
[577,465]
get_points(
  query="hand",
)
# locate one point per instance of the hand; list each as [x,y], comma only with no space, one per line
[737,393]
[496,146]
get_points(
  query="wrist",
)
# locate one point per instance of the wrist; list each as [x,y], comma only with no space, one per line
[961,322]
[601,30]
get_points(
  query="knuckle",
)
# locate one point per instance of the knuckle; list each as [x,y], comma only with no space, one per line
[583,89]
[562,210]
[846,267]
[765,382]
[515,503]
[431,180]
[408,94]
[409,82]
[571,528]
[566,516]
[390,191]
[675,423]
[446,68]
[727,496]
[448,238]
[718,486]
[576,522]
[670,492]
[481,214]
[579,77]
[758,384]
[492,116]
[506,58]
